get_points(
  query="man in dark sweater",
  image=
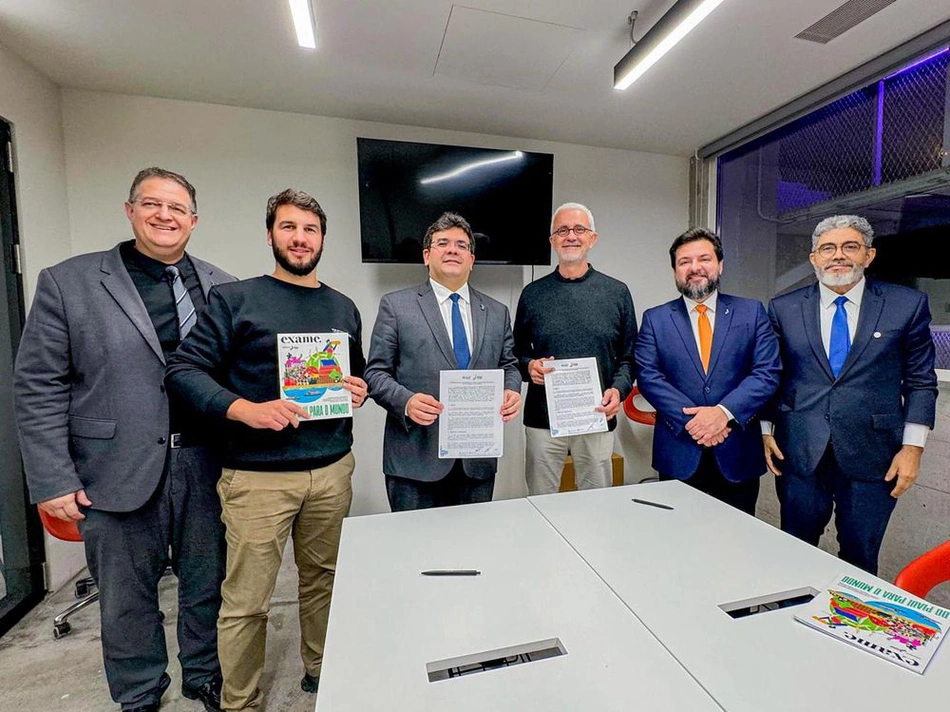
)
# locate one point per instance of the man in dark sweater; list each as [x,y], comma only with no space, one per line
[573,312]
[282,476]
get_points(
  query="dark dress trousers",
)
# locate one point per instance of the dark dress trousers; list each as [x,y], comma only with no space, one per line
[92,414]
[839,435]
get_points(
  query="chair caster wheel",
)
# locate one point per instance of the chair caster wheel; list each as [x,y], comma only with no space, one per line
[61,630]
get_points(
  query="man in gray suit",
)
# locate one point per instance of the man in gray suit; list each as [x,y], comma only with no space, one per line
[419,332]
[103,446]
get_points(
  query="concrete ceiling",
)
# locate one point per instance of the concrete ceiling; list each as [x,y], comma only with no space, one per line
[526,68]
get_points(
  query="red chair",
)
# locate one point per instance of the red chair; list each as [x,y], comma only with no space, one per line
[926,571]
[647,417]
[86,590]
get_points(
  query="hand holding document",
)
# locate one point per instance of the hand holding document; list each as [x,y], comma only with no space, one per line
[471,423]
[573,393]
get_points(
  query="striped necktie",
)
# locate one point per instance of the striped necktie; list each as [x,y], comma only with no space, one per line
[184,307]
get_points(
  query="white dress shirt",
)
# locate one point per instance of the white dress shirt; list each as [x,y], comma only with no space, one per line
[914,433]
[711,302]
[442,296]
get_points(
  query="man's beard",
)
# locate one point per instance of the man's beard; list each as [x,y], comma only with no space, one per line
[699,290]
[843,279]
[296,269]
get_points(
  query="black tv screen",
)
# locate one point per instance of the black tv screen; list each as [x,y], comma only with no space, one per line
[504,195]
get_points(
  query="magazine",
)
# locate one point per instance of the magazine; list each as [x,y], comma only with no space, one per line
[879,618]
[311,369]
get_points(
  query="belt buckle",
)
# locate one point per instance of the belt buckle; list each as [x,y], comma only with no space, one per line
[175,440]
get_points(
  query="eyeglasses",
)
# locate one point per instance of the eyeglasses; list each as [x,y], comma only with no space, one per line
[152,205]
[578,230]
[829,249]
[457,244]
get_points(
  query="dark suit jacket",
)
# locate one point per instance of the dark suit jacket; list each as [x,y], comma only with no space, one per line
[743,375]
[408,349]
[888,379]
[90,404]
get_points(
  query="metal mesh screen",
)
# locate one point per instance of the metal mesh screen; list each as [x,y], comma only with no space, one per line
[889,131]
[912,120]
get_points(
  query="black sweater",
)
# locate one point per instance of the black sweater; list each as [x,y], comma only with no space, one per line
[231,353]
[592,315]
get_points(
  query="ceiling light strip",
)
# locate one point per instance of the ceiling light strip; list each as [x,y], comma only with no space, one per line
[303,23]
[678,21]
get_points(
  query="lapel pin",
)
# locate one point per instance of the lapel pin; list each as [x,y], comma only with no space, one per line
[877,334]
[726,311]
[482,307]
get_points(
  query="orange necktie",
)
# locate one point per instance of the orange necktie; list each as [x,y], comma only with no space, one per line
[705,336]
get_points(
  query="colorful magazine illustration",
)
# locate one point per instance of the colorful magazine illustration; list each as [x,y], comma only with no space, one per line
[311,369]
[879,618]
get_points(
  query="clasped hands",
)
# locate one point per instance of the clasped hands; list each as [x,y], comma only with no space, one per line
[424,409]
[709,425]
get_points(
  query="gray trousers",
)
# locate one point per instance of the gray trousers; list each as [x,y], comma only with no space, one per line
[127,552]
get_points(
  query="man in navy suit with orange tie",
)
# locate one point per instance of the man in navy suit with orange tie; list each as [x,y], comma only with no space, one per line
[708,362]
[857,395]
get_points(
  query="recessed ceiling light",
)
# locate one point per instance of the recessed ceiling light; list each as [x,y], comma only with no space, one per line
[303,23]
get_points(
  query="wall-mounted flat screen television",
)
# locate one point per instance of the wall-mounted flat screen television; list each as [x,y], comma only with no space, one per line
[504,195]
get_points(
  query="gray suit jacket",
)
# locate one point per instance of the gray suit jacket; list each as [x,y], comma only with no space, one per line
[90,405]
[408,349]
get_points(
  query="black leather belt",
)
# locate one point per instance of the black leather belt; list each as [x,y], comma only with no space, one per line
[179,440]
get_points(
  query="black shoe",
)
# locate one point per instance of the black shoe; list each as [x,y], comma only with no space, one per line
[151,707]
[309,683]
[209,693]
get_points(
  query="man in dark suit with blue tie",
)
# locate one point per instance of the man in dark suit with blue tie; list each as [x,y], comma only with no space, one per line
[708,362]
[442,324]
[857,395]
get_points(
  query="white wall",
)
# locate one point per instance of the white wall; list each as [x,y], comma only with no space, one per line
[238,157]
[31,102]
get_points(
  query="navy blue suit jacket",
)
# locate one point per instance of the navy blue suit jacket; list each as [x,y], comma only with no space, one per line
[743,375]
[887,379]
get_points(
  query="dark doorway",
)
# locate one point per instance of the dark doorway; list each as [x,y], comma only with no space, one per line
[21,537]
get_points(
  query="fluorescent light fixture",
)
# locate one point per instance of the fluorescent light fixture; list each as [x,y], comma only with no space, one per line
[661,38]
[466,167]
[303,23]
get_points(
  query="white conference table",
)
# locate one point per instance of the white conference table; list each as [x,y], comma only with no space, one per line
[387,621]
[674,568]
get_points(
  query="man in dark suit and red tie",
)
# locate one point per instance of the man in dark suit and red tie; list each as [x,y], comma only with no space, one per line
[708,362]
[857,395]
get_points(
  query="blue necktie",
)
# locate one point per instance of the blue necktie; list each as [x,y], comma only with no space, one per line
[459,340]
[840,338]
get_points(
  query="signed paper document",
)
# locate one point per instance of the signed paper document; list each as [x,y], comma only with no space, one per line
[470,425]
[573,392]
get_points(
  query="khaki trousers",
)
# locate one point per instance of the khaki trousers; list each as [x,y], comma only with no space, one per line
[260,510]
[544,460]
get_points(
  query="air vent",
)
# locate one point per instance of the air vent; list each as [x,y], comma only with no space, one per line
[842,19]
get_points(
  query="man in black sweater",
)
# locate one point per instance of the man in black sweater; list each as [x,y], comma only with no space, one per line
[282,475]
[574,312]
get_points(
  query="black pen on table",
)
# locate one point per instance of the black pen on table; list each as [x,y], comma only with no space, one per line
[451,572]
[652,504]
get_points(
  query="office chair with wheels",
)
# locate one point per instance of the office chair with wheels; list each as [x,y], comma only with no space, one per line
[86,591]
[926,571]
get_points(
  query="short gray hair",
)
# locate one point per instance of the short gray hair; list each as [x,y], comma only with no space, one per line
[574,206]
[855,222]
